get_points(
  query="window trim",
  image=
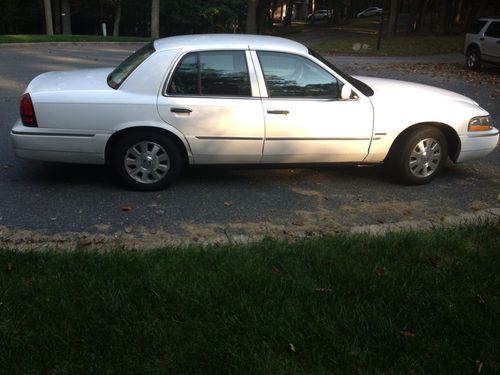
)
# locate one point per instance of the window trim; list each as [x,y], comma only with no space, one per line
[489,27]
[179,61]
[339,87]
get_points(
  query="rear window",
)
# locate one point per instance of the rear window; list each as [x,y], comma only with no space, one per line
[127,66]
[477,26]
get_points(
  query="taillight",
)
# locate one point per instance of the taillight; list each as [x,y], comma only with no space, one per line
[27,111]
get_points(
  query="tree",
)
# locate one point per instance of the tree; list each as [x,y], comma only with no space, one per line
[48,18]
[393,18]
[251,24]
[155,18]
[116,18]
[66,17]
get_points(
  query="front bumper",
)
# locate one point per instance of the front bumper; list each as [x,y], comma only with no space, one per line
[475,146]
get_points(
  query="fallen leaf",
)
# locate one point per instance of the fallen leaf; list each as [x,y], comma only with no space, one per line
[480,300]
[433,261]
[129,229]
[298,223]
[126,208]
[380,272]
[291,348]
[85,242]
[408,333]
[8,266]
[275,271]
[228,204]
[479,365]
[324,290]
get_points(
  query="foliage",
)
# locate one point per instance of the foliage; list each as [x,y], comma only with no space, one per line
[404,303]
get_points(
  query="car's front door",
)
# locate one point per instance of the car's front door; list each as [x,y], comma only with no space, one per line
[306,122]
[210,99]
[491,43]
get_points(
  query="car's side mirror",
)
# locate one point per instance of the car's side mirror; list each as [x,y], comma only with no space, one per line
[346,92]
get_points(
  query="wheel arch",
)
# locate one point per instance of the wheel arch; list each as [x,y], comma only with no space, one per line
[452,138]
[179,140]
[471,47]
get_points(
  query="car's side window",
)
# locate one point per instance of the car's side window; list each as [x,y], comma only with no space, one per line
[219,73]
[293,76]
[493,30]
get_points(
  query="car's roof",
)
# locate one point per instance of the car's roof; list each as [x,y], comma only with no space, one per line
[228,41]
[494,18]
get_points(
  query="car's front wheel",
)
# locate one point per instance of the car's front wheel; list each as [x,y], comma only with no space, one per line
[473,59]
[419,155]
[146,161]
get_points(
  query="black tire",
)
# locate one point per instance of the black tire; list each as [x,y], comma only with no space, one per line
[473,60]
[154,160]
[418,156]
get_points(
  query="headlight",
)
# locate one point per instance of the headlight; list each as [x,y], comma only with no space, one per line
[479,124]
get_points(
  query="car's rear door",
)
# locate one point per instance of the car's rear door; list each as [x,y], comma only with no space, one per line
[305,120]
[491,43]
[212,98]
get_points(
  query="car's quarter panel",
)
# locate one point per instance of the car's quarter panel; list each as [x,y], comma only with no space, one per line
[399,105]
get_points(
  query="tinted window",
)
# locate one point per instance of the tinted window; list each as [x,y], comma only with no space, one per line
[477,27]
[295,76]
[221,73]
[122,71]
[185,79]
[493,30]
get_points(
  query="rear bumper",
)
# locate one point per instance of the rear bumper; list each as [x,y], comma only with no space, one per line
[477,145]
[67,146]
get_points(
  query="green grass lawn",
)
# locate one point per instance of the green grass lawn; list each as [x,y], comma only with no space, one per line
[397,46]
[68,38]
[411,303]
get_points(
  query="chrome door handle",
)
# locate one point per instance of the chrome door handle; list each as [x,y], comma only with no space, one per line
[181,110]
[277,112]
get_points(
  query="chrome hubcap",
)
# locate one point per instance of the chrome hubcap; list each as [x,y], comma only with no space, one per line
[147,162]
[425,157]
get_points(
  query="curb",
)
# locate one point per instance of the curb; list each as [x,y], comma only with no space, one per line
[26,240]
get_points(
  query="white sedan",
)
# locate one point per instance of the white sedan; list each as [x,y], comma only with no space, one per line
[368,12]
[243,99]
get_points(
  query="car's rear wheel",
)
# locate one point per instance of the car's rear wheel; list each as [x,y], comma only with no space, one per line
[146,161]
[419,155]
[473,59]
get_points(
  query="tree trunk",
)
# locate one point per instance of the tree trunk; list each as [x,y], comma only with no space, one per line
[444,17]
[251,25]
[116,20]
[57,17]
[288,15]
[66,17]
[393,18]
[49,30]
[415,6]
[155,18]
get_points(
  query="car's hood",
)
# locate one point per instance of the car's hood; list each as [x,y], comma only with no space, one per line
[84,79]
[411,91]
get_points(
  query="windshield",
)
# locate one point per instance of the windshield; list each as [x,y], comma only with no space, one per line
[127,66]
[361,86]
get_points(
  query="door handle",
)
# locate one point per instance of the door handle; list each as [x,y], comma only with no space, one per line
[498,41]
[277,112]
[181,110]
[481,39]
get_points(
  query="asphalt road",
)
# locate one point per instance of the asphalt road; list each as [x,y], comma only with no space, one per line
[38,199]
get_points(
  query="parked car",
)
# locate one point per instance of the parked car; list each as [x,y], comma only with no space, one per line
[482,42]
[368,12]
[319,15]
[243,99]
